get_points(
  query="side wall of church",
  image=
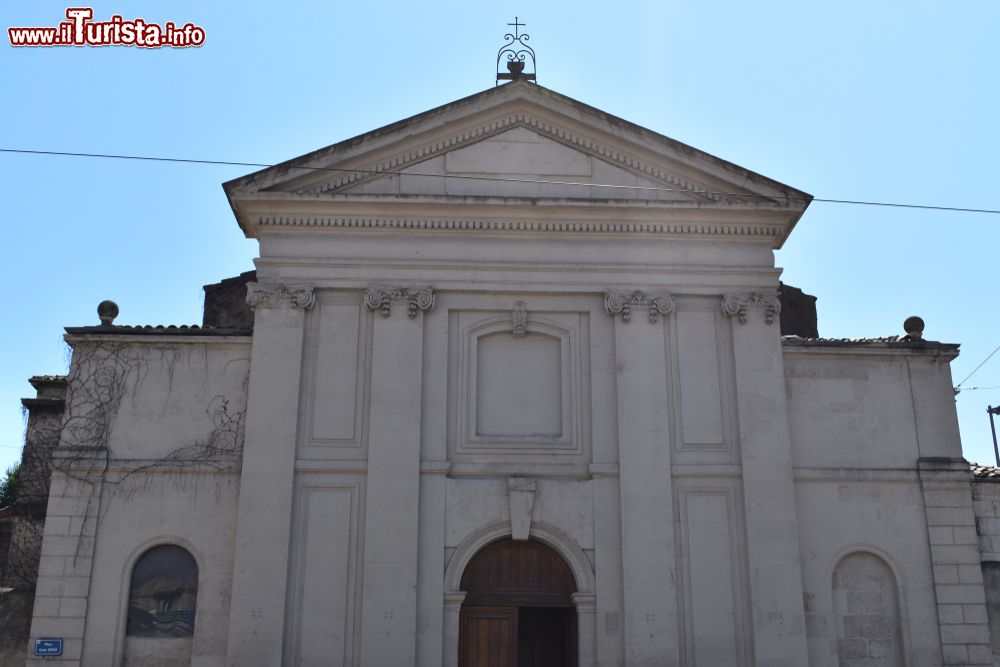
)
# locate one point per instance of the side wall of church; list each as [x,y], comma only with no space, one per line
[149,456]
[890,573]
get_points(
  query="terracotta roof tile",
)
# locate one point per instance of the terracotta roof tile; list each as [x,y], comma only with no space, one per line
[159,329]
[984,472]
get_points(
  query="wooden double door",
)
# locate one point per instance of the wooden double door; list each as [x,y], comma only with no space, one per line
[518,636]
[517,611]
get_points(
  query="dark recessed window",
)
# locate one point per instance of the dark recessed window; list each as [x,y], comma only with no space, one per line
[163,594]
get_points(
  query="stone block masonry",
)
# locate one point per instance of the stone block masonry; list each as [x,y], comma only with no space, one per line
[958,579]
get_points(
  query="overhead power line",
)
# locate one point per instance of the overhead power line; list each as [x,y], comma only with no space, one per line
[981,364]
[264,165]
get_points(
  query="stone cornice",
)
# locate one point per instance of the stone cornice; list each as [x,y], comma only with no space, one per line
[739,230]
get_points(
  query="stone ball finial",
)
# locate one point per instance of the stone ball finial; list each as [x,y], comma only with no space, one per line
[107,311]
[914,327]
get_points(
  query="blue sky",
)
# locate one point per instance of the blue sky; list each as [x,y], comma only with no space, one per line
[894,101]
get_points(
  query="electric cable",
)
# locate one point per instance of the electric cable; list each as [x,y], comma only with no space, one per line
[373,172]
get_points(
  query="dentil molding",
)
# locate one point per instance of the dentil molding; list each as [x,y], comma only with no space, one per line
[656,304]
[738,306]
[274,295]
[381,298]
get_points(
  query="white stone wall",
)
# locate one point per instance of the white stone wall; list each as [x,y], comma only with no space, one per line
[880,474]
[986,504]
[149,455]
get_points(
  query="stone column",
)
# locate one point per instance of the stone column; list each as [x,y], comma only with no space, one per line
[586,619]
[608,556]
[768,487]
[389,607]
[651,632]
[958,574]
[452,616]
[263,529]
[430,598]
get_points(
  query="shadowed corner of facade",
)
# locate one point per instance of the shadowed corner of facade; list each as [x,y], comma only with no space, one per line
[22,522]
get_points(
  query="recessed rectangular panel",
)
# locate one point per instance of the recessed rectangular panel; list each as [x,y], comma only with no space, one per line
[335,397]
[324,586]
[518,151]
[519,386]
[698,363]
[713,580]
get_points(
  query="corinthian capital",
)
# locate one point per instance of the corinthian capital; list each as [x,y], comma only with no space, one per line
[275,295]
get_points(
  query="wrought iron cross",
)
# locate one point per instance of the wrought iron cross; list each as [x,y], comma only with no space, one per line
[516,26]
[515,54]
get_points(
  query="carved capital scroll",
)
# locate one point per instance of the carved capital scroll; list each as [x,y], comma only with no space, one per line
[381,298]
[739,305]
[276,295]
[656,304]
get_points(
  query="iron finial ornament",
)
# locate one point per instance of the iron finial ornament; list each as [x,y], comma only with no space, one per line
[515,54]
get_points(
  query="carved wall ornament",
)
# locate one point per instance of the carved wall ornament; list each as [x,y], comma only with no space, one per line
[273,295]
[618,302]
[739,305]
[734,306]
[519,315]
[522,501]
[381,297]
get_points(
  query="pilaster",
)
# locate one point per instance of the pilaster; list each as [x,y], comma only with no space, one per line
[768,488]
[452,624]
[260,573]
[67,556]
[389,610]
[430,590]
[955,561]
[651,631]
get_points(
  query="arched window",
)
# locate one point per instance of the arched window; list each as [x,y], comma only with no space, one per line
[163,593]
[866,603]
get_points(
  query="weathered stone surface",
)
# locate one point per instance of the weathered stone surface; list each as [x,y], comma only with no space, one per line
[226,303]
[798,312]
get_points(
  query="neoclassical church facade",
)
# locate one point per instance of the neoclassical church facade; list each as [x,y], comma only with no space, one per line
[513,391]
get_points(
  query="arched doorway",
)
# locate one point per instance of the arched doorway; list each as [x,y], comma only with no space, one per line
[518,610]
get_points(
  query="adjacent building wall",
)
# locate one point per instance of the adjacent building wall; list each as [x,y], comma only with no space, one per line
[879,473]
[150,454]
[25,519]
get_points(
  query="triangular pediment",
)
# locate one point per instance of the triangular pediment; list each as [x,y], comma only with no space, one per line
[518,161]
[515,142]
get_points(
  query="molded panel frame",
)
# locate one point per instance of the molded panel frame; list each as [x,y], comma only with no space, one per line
[311,446]
[471,317]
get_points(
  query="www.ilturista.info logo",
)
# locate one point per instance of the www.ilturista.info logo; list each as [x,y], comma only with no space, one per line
[81,30]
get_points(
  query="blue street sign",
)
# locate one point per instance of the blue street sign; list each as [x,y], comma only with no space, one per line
[48,646]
